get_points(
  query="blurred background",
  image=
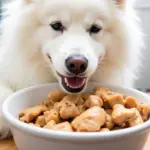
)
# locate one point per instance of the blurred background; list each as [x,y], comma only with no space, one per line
[143,10]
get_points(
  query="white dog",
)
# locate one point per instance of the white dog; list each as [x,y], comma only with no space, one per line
[69,41]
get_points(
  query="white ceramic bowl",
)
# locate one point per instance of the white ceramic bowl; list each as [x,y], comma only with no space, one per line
[34,138]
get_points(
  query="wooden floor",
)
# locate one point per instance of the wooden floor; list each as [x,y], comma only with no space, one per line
[9,145]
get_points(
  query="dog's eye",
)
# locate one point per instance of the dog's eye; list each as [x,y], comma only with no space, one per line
[57,26]
[95,29]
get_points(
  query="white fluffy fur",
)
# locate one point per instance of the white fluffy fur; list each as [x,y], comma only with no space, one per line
[26,38]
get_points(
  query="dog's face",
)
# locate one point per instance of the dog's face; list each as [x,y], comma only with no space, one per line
[73,37]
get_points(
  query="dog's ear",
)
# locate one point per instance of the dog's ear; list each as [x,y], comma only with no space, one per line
[28,1]
[122,3]
[31,1]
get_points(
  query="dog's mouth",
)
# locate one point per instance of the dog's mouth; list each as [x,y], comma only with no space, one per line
[73,84]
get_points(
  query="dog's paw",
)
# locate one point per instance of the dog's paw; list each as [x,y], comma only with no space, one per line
[4,129]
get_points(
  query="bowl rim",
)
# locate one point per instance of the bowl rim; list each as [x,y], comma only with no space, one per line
[67,136]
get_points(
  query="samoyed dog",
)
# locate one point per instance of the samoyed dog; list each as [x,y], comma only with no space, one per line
[67,41]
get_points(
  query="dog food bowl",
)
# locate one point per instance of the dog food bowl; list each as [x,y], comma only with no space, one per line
[28,137]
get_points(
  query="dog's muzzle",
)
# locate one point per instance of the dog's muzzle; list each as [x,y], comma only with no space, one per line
[76,64]
[76,80]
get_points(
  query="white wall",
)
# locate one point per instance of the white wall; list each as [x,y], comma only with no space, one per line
[142,3]
[143,9]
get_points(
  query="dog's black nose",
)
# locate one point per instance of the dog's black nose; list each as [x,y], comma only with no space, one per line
[76,64]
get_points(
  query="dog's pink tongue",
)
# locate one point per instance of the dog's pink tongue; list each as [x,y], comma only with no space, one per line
[75,82]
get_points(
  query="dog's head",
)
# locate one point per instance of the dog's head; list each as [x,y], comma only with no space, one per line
[75,36]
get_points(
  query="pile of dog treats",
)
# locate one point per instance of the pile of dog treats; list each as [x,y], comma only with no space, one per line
[99,111]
